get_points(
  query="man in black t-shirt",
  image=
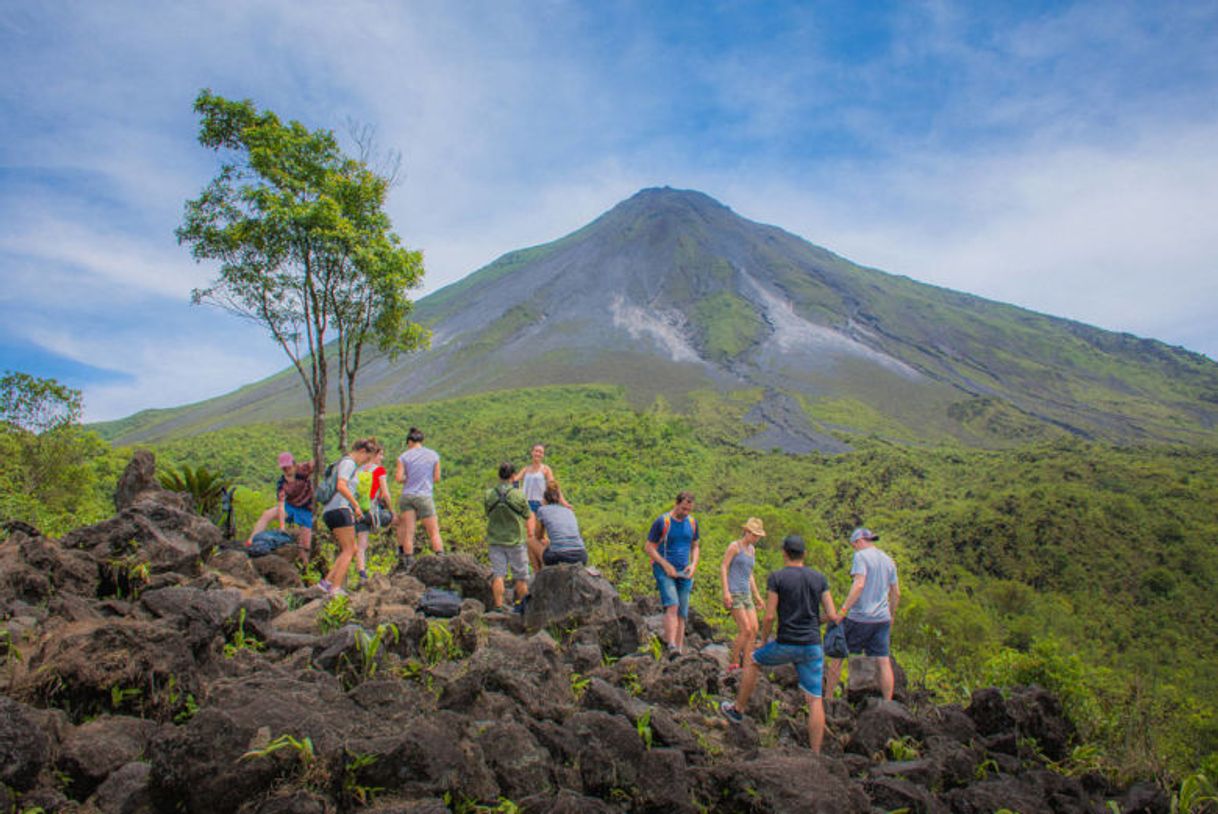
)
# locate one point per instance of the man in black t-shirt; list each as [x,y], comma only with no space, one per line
[795,596]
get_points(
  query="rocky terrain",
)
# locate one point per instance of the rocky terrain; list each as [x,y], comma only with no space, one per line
[145,668]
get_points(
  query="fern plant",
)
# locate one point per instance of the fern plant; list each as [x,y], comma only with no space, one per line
[205,488]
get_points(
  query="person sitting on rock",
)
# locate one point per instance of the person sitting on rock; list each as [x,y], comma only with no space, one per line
[558,530]
[869,609]
[740,594]
[672,545]
[794,596]
[294,492]
[507,509]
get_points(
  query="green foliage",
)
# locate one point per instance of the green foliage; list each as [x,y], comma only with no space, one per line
[304,245]
[1196,795]
[37,405]
[334,614]
[205,488]
[370,646]
[54,475]
[1040,563]
[579,684]
[240,640]
[905,748]
[438,644]
[642,725]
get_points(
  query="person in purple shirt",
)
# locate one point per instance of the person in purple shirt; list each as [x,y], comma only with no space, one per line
[418,470]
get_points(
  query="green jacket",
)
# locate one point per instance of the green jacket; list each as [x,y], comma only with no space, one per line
[505,518]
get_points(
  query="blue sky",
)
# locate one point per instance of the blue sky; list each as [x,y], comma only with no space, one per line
[1063,157]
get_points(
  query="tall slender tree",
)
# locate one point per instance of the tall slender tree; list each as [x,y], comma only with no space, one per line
[305,248]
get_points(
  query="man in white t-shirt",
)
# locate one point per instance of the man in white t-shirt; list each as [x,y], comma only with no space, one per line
[869,609]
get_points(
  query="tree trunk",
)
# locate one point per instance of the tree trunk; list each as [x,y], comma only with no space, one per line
[319,426]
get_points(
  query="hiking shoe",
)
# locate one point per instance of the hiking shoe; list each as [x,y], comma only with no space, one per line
[324,586]
[673,653]
[729,711]
[404,563]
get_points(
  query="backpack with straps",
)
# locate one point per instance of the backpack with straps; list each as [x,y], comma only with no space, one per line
[328,488]
[667,518]
[501,499]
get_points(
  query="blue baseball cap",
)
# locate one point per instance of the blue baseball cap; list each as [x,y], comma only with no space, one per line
[862,533]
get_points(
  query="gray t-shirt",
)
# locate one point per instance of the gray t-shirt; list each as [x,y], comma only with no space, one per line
[346,474]
[420,463]
[561,527]
[881,573]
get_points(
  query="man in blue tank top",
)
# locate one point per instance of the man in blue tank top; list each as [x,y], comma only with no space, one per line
[672,545]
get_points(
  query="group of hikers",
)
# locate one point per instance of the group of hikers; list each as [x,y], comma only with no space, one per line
[531,525]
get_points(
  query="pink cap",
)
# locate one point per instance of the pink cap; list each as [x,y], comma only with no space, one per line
[286,459]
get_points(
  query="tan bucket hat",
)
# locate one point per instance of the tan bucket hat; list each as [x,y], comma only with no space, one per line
[753,526]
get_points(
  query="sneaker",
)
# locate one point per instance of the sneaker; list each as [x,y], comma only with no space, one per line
[673,653]
[729,711]
[324,586]
[337,592]
[733,668]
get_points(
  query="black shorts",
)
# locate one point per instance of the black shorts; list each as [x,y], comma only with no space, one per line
[579,557]
[339,519]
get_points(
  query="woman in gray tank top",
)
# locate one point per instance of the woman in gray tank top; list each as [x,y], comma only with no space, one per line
[740,594]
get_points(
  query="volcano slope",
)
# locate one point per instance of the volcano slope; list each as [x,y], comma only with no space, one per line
[671,292]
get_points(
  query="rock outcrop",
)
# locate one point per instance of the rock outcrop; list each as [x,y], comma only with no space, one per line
[149,670]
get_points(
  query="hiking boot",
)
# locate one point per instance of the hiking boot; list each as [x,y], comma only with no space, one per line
[729,711]
[404,563]
[673,653]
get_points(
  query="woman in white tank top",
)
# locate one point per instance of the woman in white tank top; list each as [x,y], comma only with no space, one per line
[532,480]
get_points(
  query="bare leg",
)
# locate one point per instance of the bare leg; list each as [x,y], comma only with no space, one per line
[535,549]
[680,635]
[497,591]
[670,625]
[816,722]
[747,684]
[406,532]
[742,645]
[832,674]
[522,590]
[345,537]
[361,551]
[886,679]
[432,526]
[263,521]
[305,540]
[747,654]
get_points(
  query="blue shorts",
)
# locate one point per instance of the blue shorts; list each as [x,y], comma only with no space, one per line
[534,505]
[868,638]
[809,661]
[298,516]
[673,591]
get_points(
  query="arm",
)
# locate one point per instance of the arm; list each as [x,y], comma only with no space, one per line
[856,590]
[695,551]
[894,599]
[435,473]
[654,554]
[399,474]
[345,491]
[728,556]
[771,614]
[382,493]
[826,603]
[756,593]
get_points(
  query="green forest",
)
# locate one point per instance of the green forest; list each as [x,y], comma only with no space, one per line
[1086,568]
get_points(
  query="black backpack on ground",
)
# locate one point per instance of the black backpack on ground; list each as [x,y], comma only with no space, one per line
[439,602]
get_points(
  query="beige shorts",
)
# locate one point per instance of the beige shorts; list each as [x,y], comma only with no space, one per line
[422,505]
[743,601]
[514,556]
